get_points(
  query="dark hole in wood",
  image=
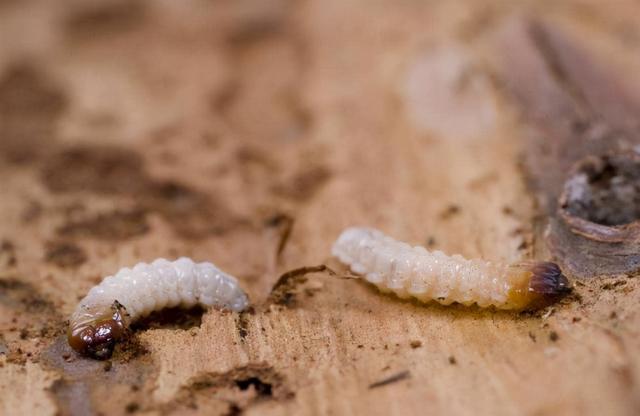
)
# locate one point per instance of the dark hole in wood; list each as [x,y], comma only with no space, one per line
[604,190]
[262,388]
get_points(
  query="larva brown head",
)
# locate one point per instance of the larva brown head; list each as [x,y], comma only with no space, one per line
[98,338]
[538,284]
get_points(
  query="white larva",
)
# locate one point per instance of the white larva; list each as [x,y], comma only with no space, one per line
[102,317]
[415,272]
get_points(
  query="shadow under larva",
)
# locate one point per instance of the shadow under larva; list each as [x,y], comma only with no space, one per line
[101,319]
[407,271]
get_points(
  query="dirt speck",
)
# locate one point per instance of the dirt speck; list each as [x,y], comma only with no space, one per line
[132,407]
[304,185]
[64,254]
[242,324]
[265,380]
[8,253]
[110,170]
[403,375]
[31,212]
[20,295]
[284,224]
[30,105]
[249,384]
[284,290]
[192,214]
[248,31]
[97,169]
[102,18]
[115,226]
[450,211]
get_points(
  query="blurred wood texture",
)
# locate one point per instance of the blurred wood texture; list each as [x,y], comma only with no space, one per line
[136,130]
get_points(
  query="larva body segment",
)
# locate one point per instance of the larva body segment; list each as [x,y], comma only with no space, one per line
[101,318]
[408,271]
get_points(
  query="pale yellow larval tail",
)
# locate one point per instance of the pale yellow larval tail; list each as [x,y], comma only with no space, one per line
[416,272]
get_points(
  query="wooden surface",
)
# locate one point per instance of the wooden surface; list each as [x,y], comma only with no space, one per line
[205,128]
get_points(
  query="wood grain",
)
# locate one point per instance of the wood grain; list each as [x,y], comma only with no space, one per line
[189,128]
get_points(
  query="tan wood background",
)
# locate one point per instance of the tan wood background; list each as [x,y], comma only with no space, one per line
[136,130]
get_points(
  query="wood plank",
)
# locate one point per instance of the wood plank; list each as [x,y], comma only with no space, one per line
[197,128]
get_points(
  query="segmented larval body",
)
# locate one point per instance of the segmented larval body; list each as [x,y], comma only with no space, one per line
[416,272]
[103,315]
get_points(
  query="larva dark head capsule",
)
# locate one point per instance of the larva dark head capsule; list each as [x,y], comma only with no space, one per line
[548,280]
[97,337]
[538,284]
